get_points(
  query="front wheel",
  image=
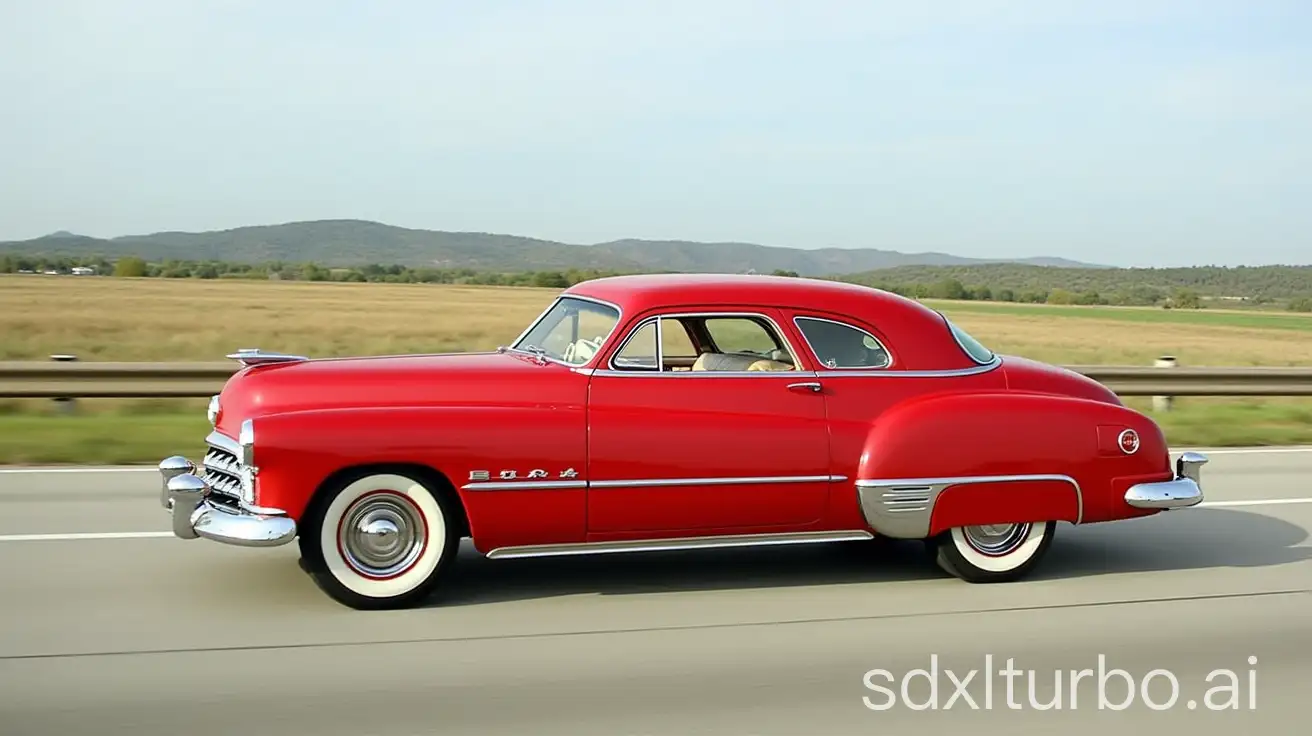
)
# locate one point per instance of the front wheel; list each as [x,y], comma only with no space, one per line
[993,553]
[378,541]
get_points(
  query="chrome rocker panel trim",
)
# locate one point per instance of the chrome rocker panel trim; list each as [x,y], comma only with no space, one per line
[1182,491]
[187,498]
[901,508]
[677,543]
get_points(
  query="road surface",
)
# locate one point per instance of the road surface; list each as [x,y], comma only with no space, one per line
[110,626]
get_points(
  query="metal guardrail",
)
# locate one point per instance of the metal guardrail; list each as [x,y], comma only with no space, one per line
[69,379]
[32,379]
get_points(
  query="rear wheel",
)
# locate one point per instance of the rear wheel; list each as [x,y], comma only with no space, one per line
[993,553]
[381,540]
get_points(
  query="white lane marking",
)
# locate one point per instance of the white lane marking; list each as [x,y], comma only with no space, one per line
[89,469]
[76,537]
[163,535]
[1259,502]
[1251,451]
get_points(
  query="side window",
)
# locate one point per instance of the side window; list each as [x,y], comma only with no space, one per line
[639,352]
[674,339]
[740,335]
[838,345]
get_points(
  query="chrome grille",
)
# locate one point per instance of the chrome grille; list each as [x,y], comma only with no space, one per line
[223,469]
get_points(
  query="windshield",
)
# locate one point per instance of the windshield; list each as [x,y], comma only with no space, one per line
[970,345]
[571,331]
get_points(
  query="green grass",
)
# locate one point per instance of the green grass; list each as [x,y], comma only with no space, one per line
[100,438]
[147,433]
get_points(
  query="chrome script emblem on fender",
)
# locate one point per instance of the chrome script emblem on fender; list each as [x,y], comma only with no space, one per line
[534,474]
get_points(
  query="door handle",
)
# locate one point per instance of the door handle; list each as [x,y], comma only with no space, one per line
[813,386]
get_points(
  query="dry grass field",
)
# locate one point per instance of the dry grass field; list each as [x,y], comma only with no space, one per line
[97,318]
[188,320]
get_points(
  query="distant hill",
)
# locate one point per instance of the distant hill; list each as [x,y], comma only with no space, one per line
[359,242]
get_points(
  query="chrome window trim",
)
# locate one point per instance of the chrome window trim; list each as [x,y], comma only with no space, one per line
[619,320]
[814,354]
[610,362]
[611,370]
[944,373]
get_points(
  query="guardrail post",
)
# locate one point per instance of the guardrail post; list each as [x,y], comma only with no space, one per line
[65,404]
[1163,403]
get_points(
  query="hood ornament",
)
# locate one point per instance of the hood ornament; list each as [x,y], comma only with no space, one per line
[256,356]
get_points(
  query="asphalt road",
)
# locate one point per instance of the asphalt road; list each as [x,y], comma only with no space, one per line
[145,634]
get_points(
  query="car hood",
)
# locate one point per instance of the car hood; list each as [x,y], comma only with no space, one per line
[462,379]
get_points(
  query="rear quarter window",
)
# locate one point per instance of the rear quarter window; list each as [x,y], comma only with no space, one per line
[972,347]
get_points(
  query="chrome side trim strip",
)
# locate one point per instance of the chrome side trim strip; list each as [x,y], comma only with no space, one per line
[723,481]
[549,485]
[677,543]
[948,373]
[683,375]
[902,507]
[524,485]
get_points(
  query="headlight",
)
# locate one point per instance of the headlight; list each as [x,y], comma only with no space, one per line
[247,441]
[213,412]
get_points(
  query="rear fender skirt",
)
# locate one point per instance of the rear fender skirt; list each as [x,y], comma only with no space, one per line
[918,508]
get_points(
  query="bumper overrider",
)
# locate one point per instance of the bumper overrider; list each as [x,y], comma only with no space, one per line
[197,512]
[1182,491]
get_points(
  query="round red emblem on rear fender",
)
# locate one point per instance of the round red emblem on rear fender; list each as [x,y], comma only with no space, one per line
[1128,441]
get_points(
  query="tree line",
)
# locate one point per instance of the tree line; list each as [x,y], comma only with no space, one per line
[996,283]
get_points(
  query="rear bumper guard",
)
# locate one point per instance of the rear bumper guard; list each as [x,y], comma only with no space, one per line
[1182,491]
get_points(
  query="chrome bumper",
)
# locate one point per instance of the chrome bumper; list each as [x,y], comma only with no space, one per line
[187,498]
[1182,491]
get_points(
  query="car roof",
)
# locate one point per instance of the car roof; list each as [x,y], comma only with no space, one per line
[915,334]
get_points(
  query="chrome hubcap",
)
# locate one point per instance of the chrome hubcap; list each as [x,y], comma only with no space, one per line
[996,539]
[382,536]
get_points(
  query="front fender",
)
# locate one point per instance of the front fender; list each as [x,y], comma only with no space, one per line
[297,451]
[948,460]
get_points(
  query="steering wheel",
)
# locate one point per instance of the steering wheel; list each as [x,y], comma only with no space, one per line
[582,350]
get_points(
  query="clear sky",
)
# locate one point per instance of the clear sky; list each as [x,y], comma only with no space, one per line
[1129,132]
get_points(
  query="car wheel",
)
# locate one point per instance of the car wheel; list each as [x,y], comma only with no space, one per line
[378,541]
[993,553]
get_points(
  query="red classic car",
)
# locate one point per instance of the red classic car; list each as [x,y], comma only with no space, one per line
[663,412]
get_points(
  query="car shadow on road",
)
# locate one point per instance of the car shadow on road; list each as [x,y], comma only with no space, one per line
[1193,539]
[476,580]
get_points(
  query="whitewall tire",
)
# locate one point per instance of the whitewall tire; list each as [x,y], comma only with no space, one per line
[993,552]
[379,541]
